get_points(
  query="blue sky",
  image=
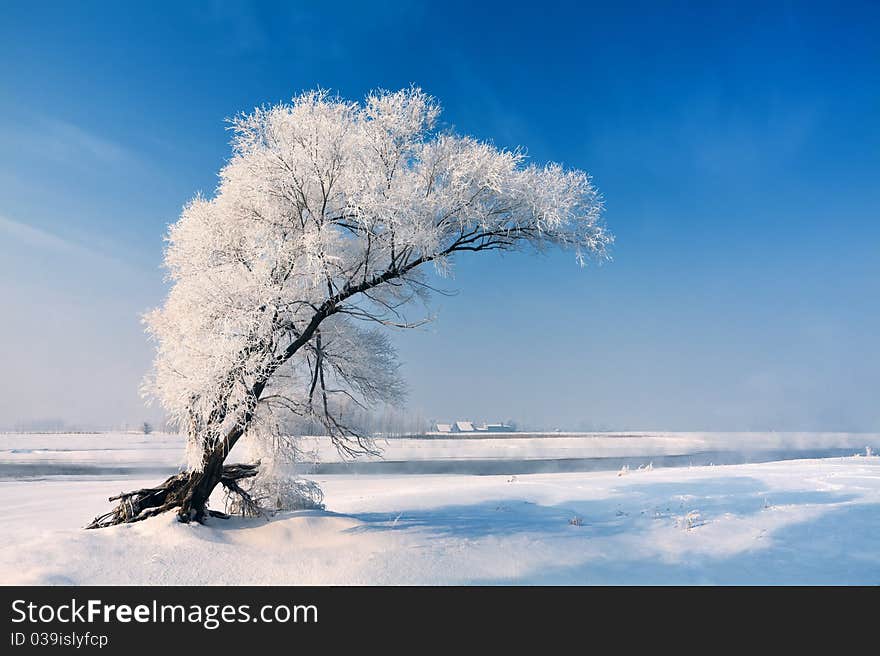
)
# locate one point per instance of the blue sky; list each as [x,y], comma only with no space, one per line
[736,145]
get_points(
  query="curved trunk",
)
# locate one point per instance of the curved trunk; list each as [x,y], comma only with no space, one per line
[194,502]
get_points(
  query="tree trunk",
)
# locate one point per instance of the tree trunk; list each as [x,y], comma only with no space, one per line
[194,502]
[186,492]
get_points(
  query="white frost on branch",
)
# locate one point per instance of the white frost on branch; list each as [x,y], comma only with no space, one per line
[283,281]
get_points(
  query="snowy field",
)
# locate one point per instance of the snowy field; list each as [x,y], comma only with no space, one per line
[800,521]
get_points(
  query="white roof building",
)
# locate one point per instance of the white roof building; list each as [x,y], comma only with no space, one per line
[471,427]
[498,428]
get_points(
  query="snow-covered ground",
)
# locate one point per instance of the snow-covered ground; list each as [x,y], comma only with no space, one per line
[798,521]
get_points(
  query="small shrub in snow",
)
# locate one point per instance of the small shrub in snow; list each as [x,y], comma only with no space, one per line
[576,521]
[690,520]
[268,494]
[294,494]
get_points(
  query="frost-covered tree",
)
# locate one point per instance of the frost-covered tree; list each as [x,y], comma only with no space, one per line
[316,239]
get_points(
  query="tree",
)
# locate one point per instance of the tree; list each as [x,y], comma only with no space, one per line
[317,238]
[147,428]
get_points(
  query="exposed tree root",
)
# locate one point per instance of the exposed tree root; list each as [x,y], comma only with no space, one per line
[186,492]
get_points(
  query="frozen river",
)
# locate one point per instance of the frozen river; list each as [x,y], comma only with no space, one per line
[121,455]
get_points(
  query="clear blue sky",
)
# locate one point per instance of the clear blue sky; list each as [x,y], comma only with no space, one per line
[737,147]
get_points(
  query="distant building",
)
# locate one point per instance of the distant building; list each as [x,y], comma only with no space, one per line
[470,427]
[498,428]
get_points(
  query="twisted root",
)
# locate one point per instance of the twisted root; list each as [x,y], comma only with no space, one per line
[176,492]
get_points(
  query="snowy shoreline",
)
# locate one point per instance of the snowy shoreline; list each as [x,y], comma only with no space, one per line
[166,450]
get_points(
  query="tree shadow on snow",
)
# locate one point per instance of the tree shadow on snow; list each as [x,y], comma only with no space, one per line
[633,505]
[498,518]
[838,547]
